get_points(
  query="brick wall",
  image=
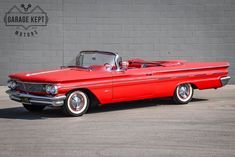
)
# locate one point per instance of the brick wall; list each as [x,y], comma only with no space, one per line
[195,30]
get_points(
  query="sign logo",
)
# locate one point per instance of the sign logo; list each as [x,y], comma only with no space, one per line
[26,20]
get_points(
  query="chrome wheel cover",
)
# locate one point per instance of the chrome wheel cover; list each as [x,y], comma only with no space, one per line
[184,92]
[77,102]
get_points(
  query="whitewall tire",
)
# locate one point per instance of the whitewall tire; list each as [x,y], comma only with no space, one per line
[76,103]
[183,94]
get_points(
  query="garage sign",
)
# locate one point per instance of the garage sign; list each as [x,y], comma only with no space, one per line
[26,20]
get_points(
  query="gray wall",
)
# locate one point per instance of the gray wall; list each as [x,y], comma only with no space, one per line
[195,30]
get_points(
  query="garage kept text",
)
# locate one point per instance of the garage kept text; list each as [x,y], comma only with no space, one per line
[26,21]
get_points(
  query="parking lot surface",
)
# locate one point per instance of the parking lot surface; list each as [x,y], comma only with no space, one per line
[204,127]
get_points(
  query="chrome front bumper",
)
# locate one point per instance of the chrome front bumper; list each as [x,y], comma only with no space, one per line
[34,99]
[224,80]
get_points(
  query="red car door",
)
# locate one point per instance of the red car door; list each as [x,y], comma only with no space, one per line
[133,84]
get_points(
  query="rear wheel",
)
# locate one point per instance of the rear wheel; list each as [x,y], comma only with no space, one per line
[183,94]
[33,108]
[76,104]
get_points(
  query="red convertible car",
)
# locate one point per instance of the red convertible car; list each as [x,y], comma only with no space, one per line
[102,77]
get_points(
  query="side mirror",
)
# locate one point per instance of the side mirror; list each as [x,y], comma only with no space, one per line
[124,65]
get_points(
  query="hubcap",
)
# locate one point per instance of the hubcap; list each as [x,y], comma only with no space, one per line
[76,102]
[184,91]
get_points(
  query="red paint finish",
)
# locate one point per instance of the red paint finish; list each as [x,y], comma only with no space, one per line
[158,79]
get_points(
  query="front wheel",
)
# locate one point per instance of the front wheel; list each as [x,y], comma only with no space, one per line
[183,94]
[34,108]
[76,103]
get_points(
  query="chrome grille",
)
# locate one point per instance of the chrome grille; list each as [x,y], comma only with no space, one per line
[31,87]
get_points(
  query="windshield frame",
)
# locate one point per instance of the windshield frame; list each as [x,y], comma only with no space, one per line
[117,58]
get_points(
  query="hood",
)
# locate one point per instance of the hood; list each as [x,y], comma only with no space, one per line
[59,75]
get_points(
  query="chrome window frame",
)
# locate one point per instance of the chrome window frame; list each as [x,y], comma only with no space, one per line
[117,58]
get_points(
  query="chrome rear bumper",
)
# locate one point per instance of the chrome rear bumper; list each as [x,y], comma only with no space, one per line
[224,80]
[34,99]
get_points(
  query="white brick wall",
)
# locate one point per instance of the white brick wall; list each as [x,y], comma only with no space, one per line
[198,30]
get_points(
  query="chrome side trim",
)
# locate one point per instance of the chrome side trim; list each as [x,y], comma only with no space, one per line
[225,80]
[201,68]
[29,82]
[153,78]
[46,100]
[44,72]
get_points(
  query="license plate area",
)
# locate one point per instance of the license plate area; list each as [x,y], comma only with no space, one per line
[25,100]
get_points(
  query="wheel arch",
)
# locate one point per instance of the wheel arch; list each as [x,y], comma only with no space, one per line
[194,86]
[94,101]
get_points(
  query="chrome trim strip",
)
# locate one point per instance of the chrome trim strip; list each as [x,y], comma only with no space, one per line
[182,76]
[152,78]
[201,74]
[225,80]
[15,98]
[44,72]
[176,70]
[54,101]
[30,82]
[219,73]
[164,78]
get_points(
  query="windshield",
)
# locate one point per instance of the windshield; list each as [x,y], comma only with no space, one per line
[90,58]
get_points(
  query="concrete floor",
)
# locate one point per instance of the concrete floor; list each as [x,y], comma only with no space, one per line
[204,127]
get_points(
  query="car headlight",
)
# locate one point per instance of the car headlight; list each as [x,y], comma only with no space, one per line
[51,89]
[11,84]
